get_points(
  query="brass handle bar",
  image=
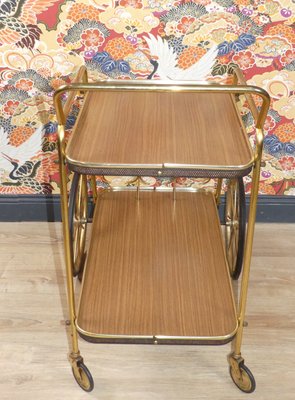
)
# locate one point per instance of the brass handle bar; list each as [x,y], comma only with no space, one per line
[163,86]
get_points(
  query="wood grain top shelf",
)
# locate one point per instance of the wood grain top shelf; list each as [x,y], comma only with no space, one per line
[156,271]
[152,129]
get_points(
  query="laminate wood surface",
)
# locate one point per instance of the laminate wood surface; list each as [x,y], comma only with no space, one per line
[34,345]
[156,267]
[156,128]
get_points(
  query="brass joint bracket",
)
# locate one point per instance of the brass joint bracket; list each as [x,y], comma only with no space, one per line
[74,358]
[235,361]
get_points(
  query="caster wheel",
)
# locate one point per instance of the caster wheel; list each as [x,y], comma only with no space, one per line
[243,379]
[78,215]
[235,226]
[83,377]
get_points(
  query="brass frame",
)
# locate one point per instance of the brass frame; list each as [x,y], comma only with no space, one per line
[159,338]
[240,88]
[232,223]
[79,224]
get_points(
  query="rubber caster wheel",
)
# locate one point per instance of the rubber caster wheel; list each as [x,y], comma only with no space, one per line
[83,377]
[243,379]
[235,226]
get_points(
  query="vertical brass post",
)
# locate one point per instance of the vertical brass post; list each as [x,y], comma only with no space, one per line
[248,245]
[174,189]
[67,241]
[218,192]
[94,188]
[138,187]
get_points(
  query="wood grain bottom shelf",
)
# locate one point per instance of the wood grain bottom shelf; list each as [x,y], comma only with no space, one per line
[156,272]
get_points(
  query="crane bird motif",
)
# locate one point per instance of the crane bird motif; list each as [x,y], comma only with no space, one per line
[165,62]
[18,21]
[16,160]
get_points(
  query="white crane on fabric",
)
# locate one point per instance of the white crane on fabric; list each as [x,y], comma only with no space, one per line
[11,157]
[166,61]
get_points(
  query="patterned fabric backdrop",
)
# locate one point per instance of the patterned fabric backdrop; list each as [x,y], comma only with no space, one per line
[43,42]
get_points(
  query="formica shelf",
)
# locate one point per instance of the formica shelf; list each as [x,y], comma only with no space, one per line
[155,133]
[156,271]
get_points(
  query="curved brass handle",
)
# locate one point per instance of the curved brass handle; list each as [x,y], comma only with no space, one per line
[168,86]
[164,86]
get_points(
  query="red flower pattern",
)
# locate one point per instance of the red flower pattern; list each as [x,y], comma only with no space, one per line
[131,3]
[92,38]
[287,163]
[24,84]
[185,23]
[288,57]
[244,59]
[269,123]
[10,106]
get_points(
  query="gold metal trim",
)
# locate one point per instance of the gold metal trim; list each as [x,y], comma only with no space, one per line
[157,337]
[161,86]
[210,167]
[85,164]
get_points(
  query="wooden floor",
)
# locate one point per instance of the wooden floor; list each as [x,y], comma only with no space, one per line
[33,340]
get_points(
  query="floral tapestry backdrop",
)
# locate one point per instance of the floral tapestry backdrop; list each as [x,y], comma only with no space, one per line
[43,43]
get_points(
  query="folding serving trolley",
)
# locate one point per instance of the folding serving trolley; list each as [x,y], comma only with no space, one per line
[158,269]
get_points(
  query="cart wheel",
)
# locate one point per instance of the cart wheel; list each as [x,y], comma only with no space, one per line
[78,210]
[243,378]
[83,377]
[235,226]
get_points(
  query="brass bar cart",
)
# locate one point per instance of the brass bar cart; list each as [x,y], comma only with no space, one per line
[157,269]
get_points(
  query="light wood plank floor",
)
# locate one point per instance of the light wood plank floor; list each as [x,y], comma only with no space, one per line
[33,340]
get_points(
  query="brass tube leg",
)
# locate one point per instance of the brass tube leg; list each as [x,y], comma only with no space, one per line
[218,192]
[74,353]
[93,187]
[247,259]
[240,374]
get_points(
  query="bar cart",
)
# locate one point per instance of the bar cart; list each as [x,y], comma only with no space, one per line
[157,269]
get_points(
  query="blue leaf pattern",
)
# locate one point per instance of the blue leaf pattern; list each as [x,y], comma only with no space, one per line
[109,65]
[224,48]
[238,46]
[246,39]
[289,148]
[123,66]
[101,57]
[270,140]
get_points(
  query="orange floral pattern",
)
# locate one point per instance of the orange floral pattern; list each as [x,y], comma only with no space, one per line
[266,188]
[190,56]
[282,30]
[119,48]
[20,134]
[83,11]
[285,132]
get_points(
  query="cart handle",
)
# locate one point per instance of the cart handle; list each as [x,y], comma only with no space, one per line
[81,76]
[164,86]
[238,78]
